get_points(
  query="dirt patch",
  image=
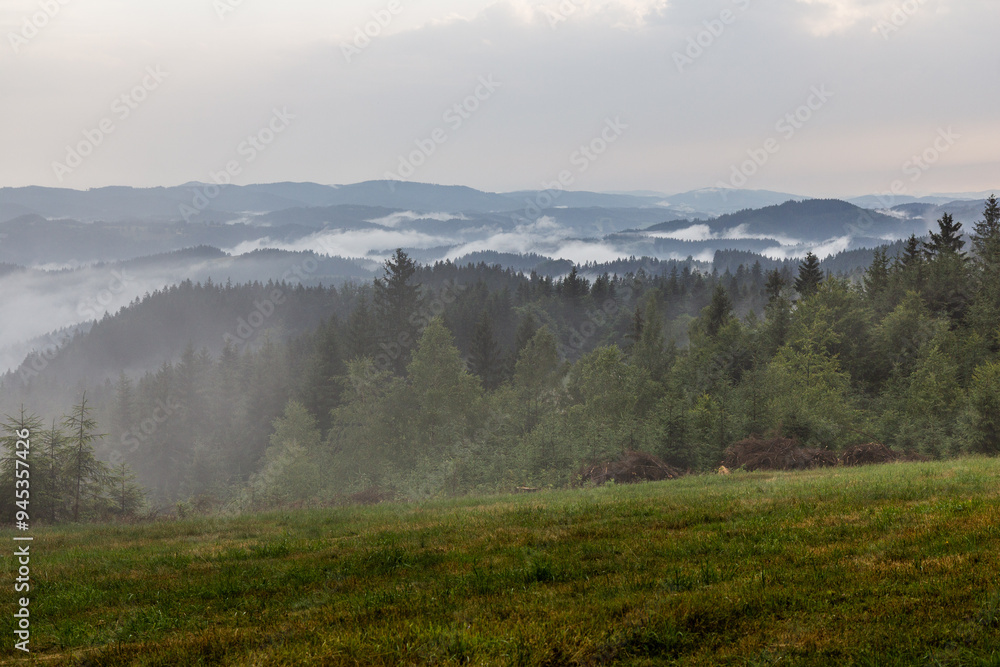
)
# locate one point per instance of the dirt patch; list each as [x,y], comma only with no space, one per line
[775,454]
[629,468]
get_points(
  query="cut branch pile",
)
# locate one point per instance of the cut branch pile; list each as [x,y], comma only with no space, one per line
[874,453]
[775,454]
[629,468]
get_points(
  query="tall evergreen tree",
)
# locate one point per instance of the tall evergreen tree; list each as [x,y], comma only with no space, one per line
[649,352]
[17,463]
[718,313]
[912,255]
[526,330]
[810,275]
[362,332]
[948,238]
[50,473]
[486,357]
[322,384]
[126,495]
[775,283]
[986,232]
[397,304]
[87,475]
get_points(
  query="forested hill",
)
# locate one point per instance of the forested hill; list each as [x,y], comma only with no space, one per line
[813,220]
[447,379]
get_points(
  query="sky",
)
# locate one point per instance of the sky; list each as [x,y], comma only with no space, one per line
[813,97]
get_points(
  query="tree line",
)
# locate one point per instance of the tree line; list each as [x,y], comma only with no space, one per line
[448,380]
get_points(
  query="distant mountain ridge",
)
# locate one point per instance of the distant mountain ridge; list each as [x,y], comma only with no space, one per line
[809,220]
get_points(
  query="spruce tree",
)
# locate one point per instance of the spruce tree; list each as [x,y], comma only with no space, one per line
[86,474]
[948,238]
[486,357]
[810,275]
[362,334]
[775,283]
[50,473]
[326,366]
[397,305]
[986,232]
[876,278]
[26,428]
[526,330]
[912,256]
[126,495]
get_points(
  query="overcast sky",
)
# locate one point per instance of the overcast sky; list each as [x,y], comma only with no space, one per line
[920,81]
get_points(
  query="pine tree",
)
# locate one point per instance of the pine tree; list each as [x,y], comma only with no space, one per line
[362,334]
[87,475]
[986,232]
[537,375]
[986,242]
[912,256]
[486,357]
[574,286]
[322,385]
[17,463]
[876,278]
[50,473]
[397,304]
[948,238]
[124,406]
[810,276]
[718,313]
[602,289]
[635,328]
[649,352]
[775,283]
[526,330]
[127,497]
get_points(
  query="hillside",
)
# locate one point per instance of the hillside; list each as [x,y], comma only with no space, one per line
[888,565]
[812,220]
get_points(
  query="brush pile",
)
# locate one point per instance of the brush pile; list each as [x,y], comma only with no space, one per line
[775,454]
[629,468]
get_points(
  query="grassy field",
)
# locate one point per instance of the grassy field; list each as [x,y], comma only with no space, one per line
[888,565]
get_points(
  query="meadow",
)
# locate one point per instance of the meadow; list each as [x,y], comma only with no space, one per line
[882,565]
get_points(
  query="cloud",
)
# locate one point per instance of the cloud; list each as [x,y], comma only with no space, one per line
[350,244]
[701,232]
[608,58]
[821,250]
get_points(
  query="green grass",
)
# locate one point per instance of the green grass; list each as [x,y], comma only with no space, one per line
[888,565]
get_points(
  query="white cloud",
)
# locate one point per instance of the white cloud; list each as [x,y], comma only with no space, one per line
[351,244]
